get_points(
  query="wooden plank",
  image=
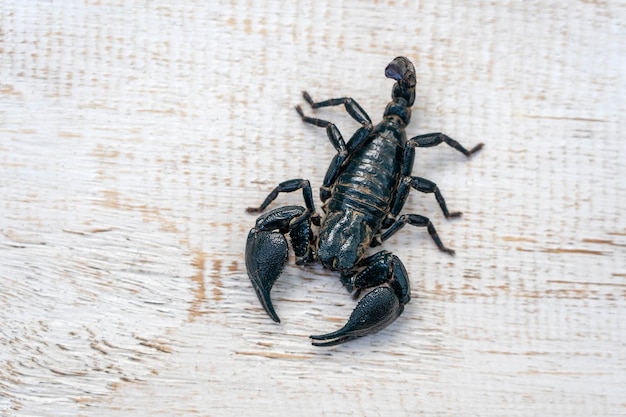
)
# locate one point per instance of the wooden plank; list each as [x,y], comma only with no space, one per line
[134,134]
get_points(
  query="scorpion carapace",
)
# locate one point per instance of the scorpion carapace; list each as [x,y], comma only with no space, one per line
[364,190]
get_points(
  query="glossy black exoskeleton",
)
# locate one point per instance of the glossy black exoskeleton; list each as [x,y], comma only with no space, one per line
[363,192]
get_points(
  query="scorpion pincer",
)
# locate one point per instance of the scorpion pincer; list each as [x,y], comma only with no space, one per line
[364,190]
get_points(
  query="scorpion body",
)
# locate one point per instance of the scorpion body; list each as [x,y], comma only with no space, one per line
[364,190]
[361,195]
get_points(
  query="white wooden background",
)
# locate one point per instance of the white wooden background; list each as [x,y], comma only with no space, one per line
[135,133]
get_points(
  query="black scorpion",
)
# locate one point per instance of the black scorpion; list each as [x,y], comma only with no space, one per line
[363,192]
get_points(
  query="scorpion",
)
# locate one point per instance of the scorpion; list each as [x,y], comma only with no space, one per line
[363,193]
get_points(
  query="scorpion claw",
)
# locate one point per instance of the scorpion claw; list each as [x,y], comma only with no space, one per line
[266,255]
[267,250]
[374,312]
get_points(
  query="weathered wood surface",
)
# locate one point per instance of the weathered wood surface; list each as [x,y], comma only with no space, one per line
[134,134]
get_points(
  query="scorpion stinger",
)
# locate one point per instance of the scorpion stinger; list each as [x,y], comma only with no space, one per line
[364,191]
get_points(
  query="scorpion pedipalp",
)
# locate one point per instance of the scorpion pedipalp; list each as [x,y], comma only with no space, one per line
[372,313]
[267,250]
[266,255]
[378,308]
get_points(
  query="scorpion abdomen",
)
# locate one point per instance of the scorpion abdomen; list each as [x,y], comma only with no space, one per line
[370,177]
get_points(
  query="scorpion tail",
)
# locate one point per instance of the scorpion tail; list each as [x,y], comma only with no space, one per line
[374,312]
[266,255]
[401,70]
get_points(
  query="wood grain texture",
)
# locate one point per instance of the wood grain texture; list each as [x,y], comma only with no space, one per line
[135,133]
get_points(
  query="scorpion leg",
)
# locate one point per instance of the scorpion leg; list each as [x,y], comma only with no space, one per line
[378,308]
[434,139]
[288,187]
[335,137]
[425,186]
[354,110]
[413,220]
[352,107]
[267,249]
[418,183]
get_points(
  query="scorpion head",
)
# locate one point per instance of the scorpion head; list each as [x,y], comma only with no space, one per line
[344,238]
[403,93]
